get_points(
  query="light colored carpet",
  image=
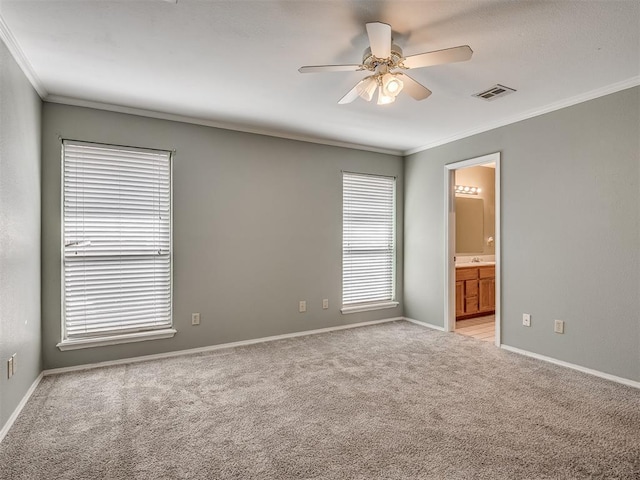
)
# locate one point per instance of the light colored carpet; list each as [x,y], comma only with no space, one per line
[392,401]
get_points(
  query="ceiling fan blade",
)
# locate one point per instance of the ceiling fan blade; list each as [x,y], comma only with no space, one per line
[438,57]
[413,88]
[355,92]
[379,39]
[330,68]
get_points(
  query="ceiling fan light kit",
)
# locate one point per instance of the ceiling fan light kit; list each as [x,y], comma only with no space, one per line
[367,88]
[382,58]
[384,99]
[390,84]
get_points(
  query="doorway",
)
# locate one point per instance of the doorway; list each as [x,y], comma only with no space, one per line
[472,273]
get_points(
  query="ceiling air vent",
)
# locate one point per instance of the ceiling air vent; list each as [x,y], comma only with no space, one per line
[494,92]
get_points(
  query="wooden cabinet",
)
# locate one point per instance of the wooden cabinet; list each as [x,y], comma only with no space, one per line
[475,291]
[459,298]
[470,296]
[487,289]
[487,295]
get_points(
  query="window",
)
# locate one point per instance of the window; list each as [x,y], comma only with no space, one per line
[117,244]
[368,242]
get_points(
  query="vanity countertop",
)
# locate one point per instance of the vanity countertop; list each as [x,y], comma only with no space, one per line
[474,264]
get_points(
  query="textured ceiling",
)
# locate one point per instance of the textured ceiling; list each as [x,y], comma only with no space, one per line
[234,63]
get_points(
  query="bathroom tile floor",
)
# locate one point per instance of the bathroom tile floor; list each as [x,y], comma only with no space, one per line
[481,328]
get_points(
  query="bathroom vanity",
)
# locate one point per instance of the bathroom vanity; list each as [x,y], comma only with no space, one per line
[475,289]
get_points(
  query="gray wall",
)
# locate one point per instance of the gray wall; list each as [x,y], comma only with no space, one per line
[257,227]
[20,115]
[570,231]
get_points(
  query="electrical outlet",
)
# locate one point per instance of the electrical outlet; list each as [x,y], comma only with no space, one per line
[526,319]
[302,307]
[558,326]
[10,367]
[14,364]
[325,303]
[195,319]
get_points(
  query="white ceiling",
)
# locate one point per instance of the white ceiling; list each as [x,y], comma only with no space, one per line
[234,63]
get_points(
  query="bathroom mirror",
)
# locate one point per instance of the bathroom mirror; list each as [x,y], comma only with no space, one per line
[469,226]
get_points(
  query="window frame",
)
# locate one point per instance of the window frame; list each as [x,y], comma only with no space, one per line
[375,304]
[112,338]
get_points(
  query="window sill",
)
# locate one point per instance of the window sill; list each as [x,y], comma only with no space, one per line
[79,343]
[368,307]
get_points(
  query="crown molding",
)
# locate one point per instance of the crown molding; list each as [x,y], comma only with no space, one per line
[20,58]
[215,124]
[583,97]
[568,102]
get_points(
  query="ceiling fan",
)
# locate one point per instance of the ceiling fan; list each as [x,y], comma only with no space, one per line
[382,58]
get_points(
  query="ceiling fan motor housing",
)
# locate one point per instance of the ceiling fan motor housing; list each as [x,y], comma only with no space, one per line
[372,63]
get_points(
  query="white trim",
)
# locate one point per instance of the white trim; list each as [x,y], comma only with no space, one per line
[7,426]
[78,343]
[567,102]
[573,366]
[368,307]
[450,236]
[449,249]
[215,124]
[497,241]
[211,348]
[21,59]
[425,324]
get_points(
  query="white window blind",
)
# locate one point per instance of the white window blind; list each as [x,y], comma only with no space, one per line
[368,243]
[117,240]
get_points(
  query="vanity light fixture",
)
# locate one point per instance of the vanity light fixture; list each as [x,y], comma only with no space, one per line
[467,190]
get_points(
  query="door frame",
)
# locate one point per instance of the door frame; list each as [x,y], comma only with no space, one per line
[450,239]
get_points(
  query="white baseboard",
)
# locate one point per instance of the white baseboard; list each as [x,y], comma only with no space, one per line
[178,353]
[425,324]
[597,373]
[7,426]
